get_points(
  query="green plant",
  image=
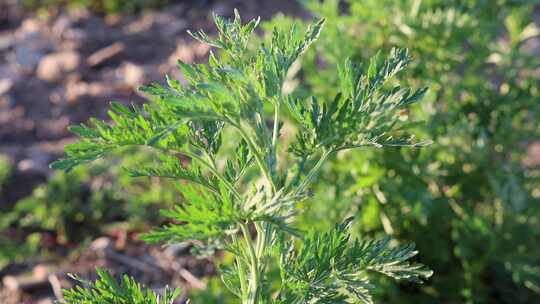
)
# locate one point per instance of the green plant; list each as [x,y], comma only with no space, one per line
[5,169]
[471,193]
[5,172]
[9,249]
[245,202]
[106,290]
[70,208]
[98,6]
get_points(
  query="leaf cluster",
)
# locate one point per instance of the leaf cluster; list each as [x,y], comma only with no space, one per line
[333,267]
[364,113]
[473,191]
[107,290]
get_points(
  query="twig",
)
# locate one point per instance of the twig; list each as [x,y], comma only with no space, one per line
[131,262]
[145,265]
[56,286]
[23,283]
[188,276]
[105,53]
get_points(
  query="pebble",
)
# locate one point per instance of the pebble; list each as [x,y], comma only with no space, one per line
[53,67]
[101,243]
[27,54]
[132,74]
[5,86]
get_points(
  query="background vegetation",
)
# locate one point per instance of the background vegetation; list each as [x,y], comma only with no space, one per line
[470,201]
[97,6]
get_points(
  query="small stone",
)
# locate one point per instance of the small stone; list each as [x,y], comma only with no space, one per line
[101,243]
[34,163]
[41,271]
[74,90]
[26,56]
[98,89]
[54,66]
[533,155]
[10,282]
[30,25]
[188,52]
[183,52]
[5,86]
[132,74]
[201,50]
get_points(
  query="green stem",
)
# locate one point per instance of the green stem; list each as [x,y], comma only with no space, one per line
[241,270]
[275,133]
[254,282]
[261,238]
[214,171]
[311,174]
[258,157]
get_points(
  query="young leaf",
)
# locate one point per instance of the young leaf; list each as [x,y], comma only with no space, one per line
[106,290]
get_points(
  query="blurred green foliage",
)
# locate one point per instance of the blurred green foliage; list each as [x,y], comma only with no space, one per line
[469,201]
[97,6]
[75,207]
[5,170]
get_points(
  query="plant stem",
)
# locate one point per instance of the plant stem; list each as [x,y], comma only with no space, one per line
[214,171]
[262,231]
[241,269]
[275,133]
[274,148]
[254,282]
[258,158]
[311,174]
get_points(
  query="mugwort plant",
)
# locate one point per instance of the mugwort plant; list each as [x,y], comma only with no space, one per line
[244,200]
